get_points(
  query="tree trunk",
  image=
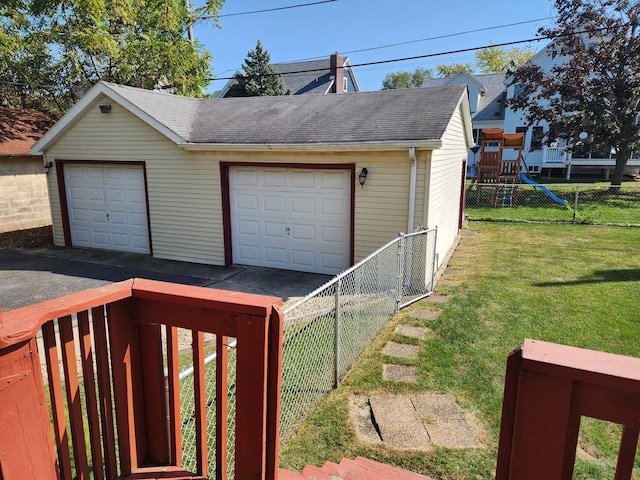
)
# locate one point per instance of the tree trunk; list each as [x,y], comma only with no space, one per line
[621,162]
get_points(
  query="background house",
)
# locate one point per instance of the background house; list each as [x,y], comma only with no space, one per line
[319,77]
[487,95]
[544,152]
[267,181]
[23,187]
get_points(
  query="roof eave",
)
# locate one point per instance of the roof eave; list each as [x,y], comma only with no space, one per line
[261,147]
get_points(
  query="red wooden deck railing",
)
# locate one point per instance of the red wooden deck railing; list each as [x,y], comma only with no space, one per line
[132,423]
[548,388]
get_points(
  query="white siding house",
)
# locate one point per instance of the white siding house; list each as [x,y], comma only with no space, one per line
[270,181]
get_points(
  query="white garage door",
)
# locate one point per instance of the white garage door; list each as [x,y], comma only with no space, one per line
[291,218]
[107,207]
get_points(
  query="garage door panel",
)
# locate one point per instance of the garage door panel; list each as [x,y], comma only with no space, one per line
[304,218]
[100,238]
[275,257]
[332,262]
[302,205]
[95,194]
[303,179]
[303,259]
[272,178]
[247,202]
[107,207]
[139,220]
[274,204]
[303,232]
[275,229]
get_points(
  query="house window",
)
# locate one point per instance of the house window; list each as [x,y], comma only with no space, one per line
[477,136]
[345,84]
[517,90]
[537,134]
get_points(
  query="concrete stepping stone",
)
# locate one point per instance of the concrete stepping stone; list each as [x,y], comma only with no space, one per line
[401,350]
[398,425]
[412,332]
[400,373]
[448,283]
[415,422]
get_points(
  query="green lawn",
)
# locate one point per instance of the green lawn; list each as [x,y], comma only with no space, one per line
[570,284]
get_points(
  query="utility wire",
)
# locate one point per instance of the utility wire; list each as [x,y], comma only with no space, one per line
[439,54]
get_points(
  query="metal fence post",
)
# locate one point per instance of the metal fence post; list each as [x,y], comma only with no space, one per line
[400,271]
[575,204]
[434,268]
[336,363]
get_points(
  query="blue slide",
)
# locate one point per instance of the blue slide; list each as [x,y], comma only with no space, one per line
[553,197]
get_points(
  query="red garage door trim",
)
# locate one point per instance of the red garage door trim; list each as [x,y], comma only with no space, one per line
[226,203]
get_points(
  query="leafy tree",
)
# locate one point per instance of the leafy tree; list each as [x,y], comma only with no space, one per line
[258,76]
[406,79]
[499,60]
[61,48]
[595,88]
[453,68]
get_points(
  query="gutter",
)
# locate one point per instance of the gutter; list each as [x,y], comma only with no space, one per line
[412,188]
[261,147]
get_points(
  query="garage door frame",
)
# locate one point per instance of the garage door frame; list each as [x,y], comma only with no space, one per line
[62,193]
[226,201]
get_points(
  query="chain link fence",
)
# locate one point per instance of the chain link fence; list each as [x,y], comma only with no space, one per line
[595,204]
[324,334]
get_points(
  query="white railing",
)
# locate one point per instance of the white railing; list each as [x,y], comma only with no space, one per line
[554,155]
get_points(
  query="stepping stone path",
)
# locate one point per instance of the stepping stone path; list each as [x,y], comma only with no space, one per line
[425,314]
[436,299]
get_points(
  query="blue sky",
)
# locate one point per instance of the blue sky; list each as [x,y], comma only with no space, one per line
[350,25]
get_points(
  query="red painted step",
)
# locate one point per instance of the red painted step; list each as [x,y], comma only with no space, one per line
[358,469]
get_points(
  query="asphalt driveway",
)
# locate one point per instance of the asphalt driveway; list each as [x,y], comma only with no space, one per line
[29,276]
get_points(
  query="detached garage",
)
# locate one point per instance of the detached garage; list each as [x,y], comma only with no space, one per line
[308,183]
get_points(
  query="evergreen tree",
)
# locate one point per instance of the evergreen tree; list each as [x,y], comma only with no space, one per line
[258,77]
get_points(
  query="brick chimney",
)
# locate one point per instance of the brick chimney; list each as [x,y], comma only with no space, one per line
[337,72]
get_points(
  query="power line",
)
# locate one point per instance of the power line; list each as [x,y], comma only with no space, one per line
[408,42]
[439,37]
[439,54]
[288,7]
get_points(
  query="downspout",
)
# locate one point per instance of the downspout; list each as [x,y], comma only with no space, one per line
[412,188]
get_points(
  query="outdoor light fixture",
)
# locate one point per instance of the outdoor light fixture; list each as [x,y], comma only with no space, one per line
[105,108]
[47,167]
[362,178]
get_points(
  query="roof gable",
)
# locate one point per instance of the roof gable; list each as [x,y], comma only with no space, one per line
[171,115]
[20,128]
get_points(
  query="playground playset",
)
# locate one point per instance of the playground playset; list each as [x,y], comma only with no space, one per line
[501,168]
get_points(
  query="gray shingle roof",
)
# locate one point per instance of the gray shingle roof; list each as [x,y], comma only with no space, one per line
[306,82]
[492,104]
[419,114]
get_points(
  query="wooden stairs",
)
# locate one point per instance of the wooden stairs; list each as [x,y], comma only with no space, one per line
[358,469]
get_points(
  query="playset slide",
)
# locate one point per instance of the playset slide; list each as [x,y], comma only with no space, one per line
[553,197]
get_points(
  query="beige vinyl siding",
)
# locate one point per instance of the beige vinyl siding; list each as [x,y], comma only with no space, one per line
[443,200]
[184,191]
[184,195]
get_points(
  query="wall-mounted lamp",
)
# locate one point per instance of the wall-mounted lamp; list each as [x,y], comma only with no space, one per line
[362,178]
[48,166]
[105,108]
